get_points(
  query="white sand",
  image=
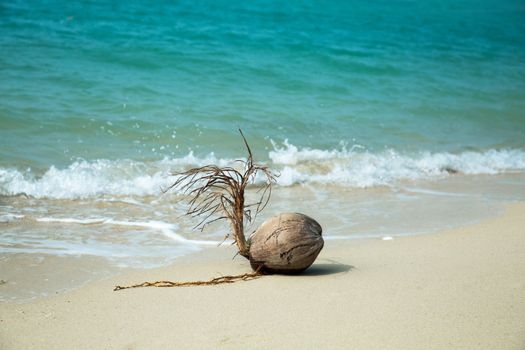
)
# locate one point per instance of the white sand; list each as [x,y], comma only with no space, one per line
[460,289]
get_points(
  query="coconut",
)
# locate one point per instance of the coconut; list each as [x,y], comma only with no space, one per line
[288,243]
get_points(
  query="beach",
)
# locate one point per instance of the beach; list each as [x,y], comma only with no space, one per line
[457,289]
[377,119]
[398,125]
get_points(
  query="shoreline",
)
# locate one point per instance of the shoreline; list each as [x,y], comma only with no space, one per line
[461,288]
[28,277]
[106,238]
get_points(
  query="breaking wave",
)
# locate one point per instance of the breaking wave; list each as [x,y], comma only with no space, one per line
[354,167]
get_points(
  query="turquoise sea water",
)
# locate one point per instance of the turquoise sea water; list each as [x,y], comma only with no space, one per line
[100,101]
[143,81]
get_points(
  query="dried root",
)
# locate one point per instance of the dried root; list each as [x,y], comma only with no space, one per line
[215,281]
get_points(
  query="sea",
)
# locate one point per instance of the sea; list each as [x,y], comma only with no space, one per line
[380,118]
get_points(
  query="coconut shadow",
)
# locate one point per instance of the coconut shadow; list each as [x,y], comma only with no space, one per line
[327,269]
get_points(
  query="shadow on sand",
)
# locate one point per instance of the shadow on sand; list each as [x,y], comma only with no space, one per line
[327,269]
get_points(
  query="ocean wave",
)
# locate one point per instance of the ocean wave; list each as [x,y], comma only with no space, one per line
[87,179]
[354,167]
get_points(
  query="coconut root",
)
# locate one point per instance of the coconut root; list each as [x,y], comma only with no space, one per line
[212,282]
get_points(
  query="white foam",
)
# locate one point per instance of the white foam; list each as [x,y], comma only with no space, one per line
[73,220]
[8,217]
[359,168]
[434,193]
[354,167]
[166,229]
